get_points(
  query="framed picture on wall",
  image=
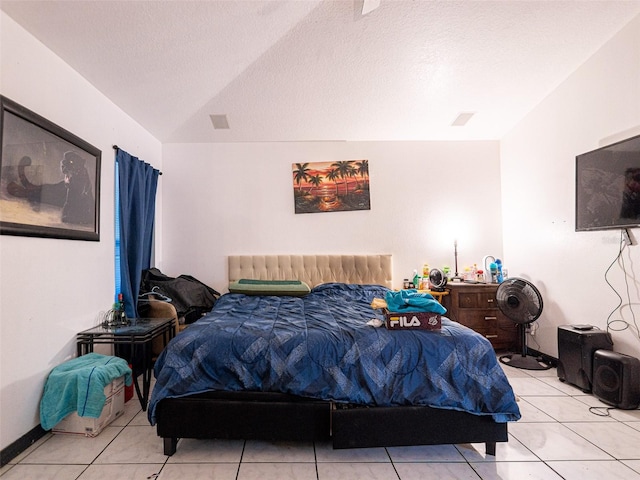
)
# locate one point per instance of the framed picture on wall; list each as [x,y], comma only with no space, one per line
[49,178]
[331,186]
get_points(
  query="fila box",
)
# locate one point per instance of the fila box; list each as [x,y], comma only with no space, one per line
[90,427]
[413,321]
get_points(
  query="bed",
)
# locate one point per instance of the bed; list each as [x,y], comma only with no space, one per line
[257,366]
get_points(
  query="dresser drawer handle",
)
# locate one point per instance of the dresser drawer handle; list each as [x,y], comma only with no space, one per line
[490,318]
[490,300]
[491,336]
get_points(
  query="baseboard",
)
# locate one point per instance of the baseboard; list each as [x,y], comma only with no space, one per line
[16,448]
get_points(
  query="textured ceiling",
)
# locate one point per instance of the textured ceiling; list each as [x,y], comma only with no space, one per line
[318,70]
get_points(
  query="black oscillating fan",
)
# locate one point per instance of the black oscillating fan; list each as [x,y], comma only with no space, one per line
[437,279]
[521,302]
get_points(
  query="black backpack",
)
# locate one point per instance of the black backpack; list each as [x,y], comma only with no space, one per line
[189,296]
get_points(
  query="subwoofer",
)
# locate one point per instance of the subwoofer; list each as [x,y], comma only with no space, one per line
[576,346]
[616,379]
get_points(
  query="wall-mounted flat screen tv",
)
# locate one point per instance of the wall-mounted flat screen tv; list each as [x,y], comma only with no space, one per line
[608,187]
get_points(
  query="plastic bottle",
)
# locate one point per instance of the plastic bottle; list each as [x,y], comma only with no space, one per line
[500,278]
[467,273]
[122,316]
[416,279]
[447,271]
[494,272]
[425,270]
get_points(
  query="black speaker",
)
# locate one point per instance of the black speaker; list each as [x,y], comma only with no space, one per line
[616,379]
[576,345]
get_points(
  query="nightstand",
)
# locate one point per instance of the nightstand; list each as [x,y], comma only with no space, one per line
[137,341]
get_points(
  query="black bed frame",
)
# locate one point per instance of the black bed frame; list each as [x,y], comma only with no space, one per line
[279,417]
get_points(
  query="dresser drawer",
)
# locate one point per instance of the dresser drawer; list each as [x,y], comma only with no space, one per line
[477,318]
[476,300]
[476,307]
[496,328]
[488,331]
[508,331]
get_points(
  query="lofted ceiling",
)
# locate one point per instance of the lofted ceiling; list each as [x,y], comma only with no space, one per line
[320,70]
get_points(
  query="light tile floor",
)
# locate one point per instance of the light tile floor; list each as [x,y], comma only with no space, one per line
[557,438]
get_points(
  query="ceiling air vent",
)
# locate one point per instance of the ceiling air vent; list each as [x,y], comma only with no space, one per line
[220,122]
[462,119]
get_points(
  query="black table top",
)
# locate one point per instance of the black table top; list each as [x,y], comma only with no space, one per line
[137,326]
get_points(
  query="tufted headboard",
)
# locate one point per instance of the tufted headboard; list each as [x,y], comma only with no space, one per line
[313,269]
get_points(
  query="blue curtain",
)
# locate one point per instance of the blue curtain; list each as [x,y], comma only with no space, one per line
[137,185]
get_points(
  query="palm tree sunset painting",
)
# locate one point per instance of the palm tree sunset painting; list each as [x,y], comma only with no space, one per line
[331,186]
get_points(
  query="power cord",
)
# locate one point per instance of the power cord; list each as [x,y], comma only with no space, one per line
[604,411]
[612,324]
[601,411]
[532,334]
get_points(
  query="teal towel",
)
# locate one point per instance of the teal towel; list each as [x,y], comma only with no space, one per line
[412,301]
[78,386]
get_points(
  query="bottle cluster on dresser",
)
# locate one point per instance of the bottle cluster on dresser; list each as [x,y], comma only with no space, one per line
[419,282]
[493,272]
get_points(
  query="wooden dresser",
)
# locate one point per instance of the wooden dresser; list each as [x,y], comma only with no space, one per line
[474,305]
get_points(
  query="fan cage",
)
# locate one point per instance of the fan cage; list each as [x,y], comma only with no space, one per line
[519,300]
[437,278]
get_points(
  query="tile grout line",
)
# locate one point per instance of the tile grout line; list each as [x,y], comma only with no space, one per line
[393,464]
[244,446]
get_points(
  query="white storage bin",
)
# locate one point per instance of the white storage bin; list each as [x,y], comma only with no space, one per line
[90,427]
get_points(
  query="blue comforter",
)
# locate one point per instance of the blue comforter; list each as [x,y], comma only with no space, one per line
[320,346]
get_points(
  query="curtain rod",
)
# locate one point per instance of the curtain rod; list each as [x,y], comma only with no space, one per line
[116,147]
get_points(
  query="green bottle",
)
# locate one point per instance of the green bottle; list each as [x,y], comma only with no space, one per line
[122,316]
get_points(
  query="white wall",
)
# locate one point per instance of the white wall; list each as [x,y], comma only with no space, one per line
[49,288]
[224,199]
[597,104]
